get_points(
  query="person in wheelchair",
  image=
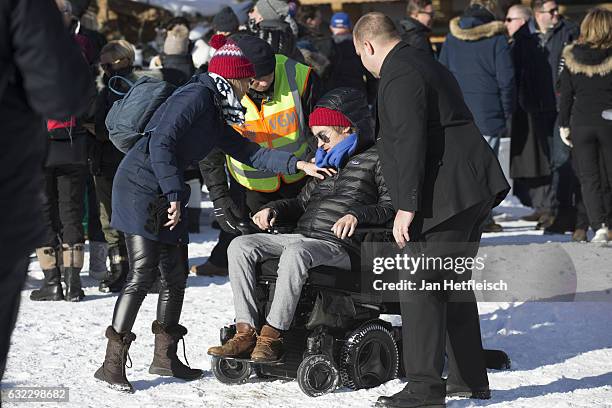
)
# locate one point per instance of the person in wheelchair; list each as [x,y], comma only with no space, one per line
[327,213]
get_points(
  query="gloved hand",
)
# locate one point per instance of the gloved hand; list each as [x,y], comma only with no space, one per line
[228,214]
[565,136]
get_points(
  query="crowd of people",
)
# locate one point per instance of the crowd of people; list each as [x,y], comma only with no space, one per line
[288,118]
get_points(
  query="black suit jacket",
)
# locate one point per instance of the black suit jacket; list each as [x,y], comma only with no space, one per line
[434,159]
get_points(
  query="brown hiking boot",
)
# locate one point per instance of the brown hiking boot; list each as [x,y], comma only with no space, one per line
[534,216]
[209,269]
[113,368]
[269,345]
[165,361]
[493,227]
[242,344]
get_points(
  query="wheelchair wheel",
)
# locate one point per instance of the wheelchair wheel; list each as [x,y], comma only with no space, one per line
[317,375]
[369,357]
[230,371]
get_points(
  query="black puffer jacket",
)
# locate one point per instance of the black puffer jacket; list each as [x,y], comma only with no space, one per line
[358,188]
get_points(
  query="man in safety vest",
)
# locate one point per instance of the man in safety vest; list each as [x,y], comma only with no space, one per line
[277,105]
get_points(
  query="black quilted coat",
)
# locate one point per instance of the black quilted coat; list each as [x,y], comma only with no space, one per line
[358,188]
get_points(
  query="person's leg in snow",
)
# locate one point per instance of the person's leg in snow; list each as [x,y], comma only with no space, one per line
[147,258]
[298,254]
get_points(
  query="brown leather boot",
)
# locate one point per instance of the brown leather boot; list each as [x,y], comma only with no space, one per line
[113,368]
[242,344]
[165,361]
[209,269]
[269,345]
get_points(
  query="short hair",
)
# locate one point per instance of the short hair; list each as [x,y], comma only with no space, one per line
[375,25]
[490,5]
[524,11]
[596,28]
[417,5]
[120,49]
[305,13]
[538,4]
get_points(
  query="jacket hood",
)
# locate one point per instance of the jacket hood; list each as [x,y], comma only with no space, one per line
[353,104]
[472,28]
[411,24]
[582,59]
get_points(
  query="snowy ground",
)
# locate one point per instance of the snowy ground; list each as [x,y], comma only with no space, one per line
[561,352]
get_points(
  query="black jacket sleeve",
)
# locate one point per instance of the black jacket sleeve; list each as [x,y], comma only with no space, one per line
[381,212]
[405,139]
[566,99]
[213,172]
[55,75]
[291,209]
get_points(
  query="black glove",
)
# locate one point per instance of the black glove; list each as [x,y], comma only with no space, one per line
[158,214]
[228,215]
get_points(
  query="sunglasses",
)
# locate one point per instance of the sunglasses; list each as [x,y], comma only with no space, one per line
[322,137]
[552,11]
[511,19]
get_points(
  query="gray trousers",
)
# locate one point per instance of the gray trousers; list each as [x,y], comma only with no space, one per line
[297,255]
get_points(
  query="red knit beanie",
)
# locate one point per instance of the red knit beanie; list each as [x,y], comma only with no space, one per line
[328,117]
[230,62]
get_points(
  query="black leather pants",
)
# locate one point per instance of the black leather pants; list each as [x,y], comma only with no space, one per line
[148,258]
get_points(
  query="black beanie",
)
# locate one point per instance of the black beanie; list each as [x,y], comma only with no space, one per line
[259,53]
[225,21]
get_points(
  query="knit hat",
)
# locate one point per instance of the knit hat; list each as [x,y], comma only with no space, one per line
[328,117]
[272,9]
[260,53]
[225,21]
[230,62]
[177,41]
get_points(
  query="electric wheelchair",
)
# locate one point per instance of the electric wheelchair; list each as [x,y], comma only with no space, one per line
[337,337]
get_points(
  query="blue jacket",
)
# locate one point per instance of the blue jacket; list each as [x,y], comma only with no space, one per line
[478,55]
[183,130]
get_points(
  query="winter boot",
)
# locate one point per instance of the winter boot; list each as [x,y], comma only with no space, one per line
[534,216]
[73,256]
[113,368]
[579,235]
[98,251]
[193,217]
[165,361]
[118,271]
[242,344]
[601,235]
[269,345]
[52,285]
[209,269]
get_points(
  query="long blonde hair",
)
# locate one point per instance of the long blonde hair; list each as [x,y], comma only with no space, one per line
[596,28]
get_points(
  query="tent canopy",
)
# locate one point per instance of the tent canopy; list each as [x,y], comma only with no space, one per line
[202,7]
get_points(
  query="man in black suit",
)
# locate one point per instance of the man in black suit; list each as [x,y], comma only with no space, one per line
[443,179]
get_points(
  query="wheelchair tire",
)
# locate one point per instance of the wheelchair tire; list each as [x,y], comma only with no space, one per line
[230,371]
[369,357]
[317,375]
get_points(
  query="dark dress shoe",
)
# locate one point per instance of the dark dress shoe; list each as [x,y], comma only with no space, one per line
[465,392]
[407,400]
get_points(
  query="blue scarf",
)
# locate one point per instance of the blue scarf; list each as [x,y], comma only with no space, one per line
[337,155]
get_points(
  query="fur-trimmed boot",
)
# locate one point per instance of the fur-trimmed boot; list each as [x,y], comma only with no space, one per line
[165,361]
[52,286]
[113,368]
[115,279]
[74,256]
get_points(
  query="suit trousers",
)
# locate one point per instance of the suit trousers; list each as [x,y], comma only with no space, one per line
[431,324]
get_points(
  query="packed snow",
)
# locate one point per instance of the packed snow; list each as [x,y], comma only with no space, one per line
[561,352]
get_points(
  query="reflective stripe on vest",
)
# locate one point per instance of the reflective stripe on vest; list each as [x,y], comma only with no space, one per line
[279,124]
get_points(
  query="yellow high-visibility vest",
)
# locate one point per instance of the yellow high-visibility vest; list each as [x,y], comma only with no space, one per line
[279,124]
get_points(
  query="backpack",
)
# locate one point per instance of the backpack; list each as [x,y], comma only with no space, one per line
[128,117]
